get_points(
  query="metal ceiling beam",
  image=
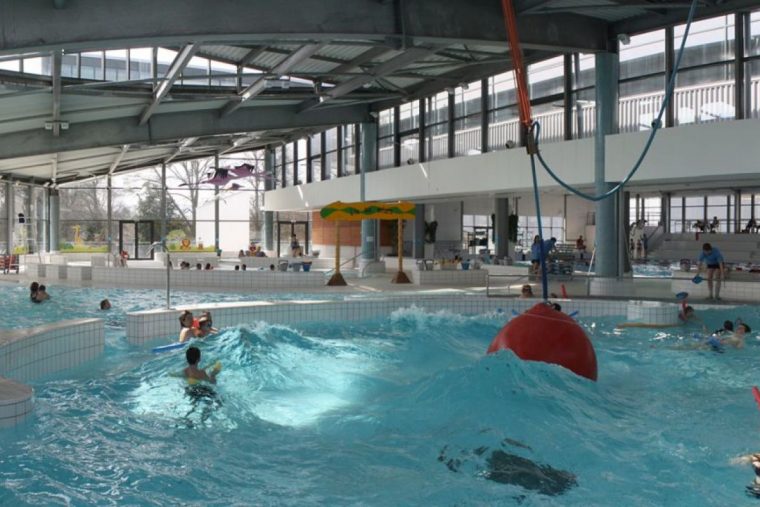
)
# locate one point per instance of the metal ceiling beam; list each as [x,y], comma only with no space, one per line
[398,62]
[163,86]
[117,160]
[56,78]
[94,24]
[182,147]
[301,54]
[360,60]
[174,126]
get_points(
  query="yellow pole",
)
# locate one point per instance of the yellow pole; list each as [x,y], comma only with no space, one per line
[337,278]
[400,245]
[337,246]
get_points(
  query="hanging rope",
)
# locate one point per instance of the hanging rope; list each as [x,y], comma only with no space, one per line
[533,129]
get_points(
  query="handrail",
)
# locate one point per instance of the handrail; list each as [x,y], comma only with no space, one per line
[329,271]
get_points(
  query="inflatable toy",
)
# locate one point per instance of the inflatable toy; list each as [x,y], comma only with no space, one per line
[546,335]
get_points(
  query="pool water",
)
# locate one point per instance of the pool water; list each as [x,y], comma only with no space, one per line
[403,410]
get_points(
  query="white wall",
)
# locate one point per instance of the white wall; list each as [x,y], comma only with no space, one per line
[693,154]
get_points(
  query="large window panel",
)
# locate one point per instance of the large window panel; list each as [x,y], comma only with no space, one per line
[349,148]
[467,119]
[92,65]
[116,65]
[436,126]
[301,166]
[643,55]
[752,74]
[676,214]
[640,102]
[141,63]
[83,225]
[385,144]
[710,40]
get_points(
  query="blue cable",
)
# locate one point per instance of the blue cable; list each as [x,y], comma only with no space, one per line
[656,125]
[544,281]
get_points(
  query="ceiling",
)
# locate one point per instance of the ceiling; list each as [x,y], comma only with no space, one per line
[303,66]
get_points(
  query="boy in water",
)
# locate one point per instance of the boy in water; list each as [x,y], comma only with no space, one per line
[205,325]
[736,339]
[193,373]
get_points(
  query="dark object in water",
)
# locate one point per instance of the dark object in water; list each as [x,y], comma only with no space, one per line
[512,469]
[507,468]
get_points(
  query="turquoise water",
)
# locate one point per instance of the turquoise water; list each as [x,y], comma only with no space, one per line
[404,410]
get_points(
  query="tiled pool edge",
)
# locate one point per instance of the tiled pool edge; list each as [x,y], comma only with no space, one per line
[148,326]
[27,354]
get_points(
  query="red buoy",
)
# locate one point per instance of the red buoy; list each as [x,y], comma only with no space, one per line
[544,334]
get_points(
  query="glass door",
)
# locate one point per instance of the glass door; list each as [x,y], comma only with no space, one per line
[135,239]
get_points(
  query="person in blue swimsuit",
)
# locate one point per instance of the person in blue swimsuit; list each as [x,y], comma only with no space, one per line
[713,260]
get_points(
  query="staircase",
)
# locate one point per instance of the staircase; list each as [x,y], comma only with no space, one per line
[736,248]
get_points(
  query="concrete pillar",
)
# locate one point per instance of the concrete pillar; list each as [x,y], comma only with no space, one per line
[216,208]
[269,185]
[370,232]
[164,211]
[419,232]
[608,236]
[109,214]
[501,239]
[54,207]
[9,213]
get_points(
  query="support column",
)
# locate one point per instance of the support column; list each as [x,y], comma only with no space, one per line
[501,241]
[164,217]
[419,232]
[367,163]
[608,236]
[269,215]
[54,208]
[9,213]
[216,208]
[109,213]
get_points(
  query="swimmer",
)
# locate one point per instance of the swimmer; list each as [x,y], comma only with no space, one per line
[205,326]
[526,292]
[105,304]
[193,373]
[736,339]
[754,459]
[33,288]
[187,330]
[41,294]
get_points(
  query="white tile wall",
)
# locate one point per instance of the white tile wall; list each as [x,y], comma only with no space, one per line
[78,273]
[470,278]
[55,271]
[651,312]
[151,325]
[27,354]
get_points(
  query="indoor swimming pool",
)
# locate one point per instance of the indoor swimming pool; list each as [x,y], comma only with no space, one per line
[402,410]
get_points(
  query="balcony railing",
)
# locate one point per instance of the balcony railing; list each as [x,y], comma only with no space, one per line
[694,104]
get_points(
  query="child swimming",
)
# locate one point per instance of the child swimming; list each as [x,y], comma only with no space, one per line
[193,374]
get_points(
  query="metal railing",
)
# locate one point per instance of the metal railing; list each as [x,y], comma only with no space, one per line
[692,104]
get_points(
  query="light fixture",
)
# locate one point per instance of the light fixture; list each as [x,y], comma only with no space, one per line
[624,39]
[63,124]
[510,144]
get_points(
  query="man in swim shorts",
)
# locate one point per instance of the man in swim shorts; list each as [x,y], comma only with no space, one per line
[713,259]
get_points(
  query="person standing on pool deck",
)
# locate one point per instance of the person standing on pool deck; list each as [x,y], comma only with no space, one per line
[713,259]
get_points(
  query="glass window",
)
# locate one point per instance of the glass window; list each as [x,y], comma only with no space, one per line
[12,65]
[164,59]
[640,102]
[436,126]
[223,74]
[753,37]
[752,82]
[69,65]
[705,94]
[92,65]
[288,166]
[643,55]
[83,225]
[301,166]
[196,72]
[315,160]
[676,214]
[348,158]
[40,65]
[386,134]
[467,119]
[116,65]
[331,153]
[279,181]
[141,63]
[710,40]
[546,78]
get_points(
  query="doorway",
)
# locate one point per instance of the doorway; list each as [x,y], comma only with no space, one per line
[285,231]
[135,238]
